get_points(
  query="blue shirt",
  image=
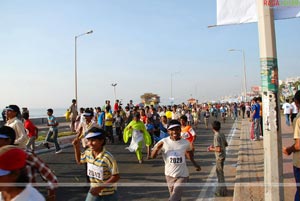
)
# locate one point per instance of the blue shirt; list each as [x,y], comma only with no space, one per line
[256,107]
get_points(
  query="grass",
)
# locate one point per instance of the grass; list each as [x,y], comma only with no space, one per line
[60,134]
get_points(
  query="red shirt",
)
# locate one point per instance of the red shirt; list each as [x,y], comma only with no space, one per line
[30,127]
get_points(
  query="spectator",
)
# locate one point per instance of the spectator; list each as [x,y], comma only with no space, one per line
[74,112]
[287,111]
[218,147]
[295,148]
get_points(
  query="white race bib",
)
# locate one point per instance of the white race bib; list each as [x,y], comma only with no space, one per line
[95,171]
[176,158]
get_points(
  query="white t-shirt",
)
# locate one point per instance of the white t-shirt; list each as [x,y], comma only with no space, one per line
[173,153]
[29,194]
[294,108]
[286,108]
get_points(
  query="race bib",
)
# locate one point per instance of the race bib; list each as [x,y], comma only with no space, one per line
[176,158]
[95,171]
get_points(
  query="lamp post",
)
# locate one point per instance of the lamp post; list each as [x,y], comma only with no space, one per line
[89,32]
[244,67]
[114,86]
[172,98]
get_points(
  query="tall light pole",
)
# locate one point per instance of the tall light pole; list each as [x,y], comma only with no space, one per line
[114,86]
[172,98]
[89,32]
[244,66]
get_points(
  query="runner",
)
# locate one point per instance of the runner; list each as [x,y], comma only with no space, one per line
[137,130]
[102,167]
[34,165]
[52,134]
[174,150]
[12,112]
[84,126]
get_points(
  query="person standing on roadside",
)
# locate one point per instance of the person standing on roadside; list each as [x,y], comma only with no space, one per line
[174,151]
[294,111]
[32,132]
[255,117]
[219,147]
[295,148]
[102,168]
[52,134]
[74,112]
[12,112]
[287,111]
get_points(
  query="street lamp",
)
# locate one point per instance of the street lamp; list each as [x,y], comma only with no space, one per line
[89,32]
[244,65]
[114,86]
[172,99]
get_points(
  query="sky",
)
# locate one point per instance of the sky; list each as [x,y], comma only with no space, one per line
[142,45]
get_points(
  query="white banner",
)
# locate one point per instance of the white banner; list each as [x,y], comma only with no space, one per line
[244,11]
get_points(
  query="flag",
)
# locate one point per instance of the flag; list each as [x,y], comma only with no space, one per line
[245,11]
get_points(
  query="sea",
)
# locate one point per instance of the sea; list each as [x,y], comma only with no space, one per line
[42,112]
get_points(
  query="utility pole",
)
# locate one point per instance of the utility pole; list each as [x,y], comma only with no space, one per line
[273,167]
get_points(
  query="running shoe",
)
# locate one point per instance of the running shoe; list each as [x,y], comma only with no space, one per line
[59,151]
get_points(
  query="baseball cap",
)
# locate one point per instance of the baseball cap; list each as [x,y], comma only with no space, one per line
[174,123]
[88,113]
[11,158]
[91,134]
[14,108]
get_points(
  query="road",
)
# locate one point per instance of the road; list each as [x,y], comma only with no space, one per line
[146,182]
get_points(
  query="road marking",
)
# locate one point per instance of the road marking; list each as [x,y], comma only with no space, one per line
[211,180]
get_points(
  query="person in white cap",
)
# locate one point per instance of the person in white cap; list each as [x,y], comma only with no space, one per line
[102,168]
[12,111]
[174,150]
[13,171]
[84,126]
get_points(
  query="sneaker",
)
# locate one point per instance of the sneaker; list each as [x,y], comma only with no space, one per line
[46,144]
[140,161]
[59,151]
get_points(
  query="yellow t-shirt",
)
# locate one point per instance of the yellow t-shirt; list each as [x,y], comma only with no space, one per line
[108,122]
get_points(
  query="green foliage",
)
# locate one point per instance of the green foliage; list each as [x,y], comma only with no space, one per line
[61,134]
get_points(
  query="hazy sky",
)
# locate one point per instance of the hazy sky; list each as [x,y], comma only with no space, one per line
[138,44]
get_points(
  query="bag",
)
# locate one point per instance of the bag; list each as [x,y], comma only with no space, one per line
[67,115]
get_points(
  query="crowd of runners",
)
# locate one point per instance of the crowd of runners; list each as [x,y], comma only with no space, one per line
[166,129]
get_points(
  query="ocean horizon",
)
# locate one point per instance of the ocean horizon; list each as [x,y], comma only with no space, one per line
[42,112]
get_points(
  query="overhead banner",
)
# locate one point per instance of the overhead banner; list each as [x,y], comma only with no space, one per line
[244,11]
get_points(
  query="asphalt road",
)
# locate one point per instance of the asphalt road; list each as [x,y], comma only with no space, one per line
[146,182]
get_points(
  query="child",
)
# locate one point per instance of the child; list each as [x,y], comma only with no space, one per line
[53,131]
[118,122]
[219,146]
[102,168]
[32,132]
[206,118]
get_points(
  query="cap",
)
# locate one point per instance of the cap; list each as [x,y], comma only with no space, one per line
[90,135]
[174,123]
[88,113]
[11,158]
[14,108]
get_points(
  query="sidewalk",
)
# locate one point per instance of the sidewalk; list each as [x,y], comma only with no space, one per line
[250,167]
